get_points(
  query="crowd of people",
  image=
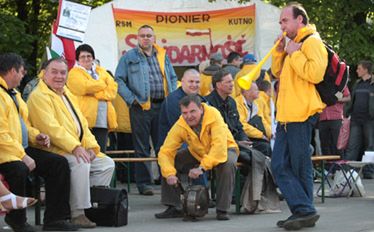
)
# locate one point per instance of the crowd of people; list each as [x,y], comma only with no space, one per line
[59,129]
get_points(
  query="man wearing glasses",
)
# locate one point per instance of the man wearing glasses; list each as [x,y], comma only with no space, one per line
[145,77]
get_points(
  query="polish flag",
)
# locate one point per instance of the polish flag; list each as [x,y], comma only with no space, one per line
[61,47]
[196,32]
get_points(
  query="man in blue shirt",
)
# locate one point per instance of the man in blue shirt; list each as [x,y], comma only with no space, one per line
[145,77]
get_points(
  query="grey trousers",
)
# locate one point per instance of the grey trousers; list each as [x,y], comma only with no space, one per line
[184,161]
[83,175]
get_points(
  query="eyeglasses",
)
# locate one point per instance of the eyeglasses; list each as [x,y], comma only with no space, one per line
[85,57]
[145,35]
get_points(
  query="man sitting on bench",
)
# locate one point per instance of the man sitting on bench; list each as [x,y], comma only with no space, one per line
[202,128]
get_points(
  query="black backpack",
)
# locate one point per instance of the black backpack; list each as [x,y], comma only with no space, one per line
[109,206]
[335,78]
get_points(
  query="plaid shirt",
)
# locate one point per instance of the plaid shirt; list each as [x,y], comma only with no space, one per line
[155,77]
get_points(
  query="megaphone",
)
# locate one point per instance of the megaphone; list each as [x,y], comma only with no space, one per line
[245,81]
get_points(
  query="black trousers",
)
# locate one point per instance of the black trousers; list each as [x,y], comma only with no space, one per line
[15,174]
[56,173]
[329,134]
[101,136]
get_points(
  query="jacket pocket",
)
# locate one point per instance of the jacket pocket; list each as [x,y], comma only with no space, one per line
[134,66]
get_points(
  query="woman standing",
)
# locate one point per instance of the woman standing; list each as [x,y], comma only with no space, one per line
[95,89]
[361,110]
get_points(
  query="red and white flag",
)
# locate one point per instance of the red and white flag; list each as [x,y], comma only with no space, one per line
[60,46]
[198,32]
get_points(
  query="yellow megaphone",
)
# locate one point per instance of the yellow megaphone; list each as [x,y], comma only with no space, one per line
[245,81]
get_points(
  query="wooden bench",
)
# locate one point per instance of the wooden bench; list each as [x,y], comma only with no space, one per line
[322,159]
[127,160]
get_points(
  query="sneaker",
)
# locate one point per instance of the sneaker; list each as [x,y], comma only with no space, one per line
[170,212]
[60,225]
[298,222]
[222,215]
[83,222]
[26,227]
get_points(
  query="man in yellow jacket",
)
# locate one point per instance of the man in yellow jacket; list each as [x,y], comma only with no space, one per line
[19,155]
[210,145]
[252,118]
[299,66]
[54,110]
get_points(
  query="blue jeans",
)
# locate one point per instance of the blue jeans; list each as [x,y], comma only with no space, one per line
[292,166]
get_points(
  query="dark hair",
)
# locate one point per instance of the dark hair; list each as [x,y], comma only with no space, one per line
[366,64]
[264,85]
[145,26]
[298,9]
[185,101]
[218,76]
[57,59]
[84,48]
[232,56]
[9,61]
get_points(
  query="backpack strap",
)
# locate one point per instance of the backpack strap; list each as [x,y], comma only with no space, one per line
[306,37]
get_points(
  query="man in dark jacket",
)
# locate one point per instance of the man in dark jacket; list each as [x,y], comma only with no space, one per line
[220,98]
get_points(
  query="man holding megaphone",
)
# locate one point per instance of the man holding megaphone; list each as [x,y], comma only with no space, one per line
[299,66]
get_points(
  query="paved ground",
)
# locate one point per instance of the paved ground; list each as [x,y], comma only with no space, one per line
[337,214]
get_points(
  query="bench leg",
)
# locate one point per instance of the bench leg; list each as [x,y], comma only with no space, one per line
[128,177]
[38,204]
[323,181]
[113,181]
[237,191]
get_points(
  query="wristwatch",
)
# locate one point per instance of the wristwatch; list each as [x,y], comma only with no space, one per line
[201,169]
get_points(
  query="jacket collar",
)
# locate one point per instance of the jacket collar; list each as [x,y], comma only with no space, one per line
[304,31]
[3,83]
[44,88]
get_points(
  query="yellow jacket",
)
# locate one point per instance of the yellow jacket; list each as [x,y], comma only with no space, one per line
[11,148]
[90,91]
[210,148]
[250,131]
[298,98]
[263,104]
[245,70]
[205,84]
[50,115]
[123,115]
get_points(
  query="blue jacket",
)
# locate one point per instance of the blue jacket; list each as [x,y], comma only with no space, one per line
[132,75]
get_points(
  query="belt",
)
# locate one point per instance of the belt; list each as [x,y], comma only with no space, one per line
[157,100]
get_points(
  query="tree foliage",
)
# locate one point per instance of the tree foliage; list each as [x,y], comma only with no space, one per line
[25,25]
[344,24]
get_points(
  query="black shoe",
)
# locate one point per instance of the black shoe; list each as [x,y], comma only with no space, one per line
[280,223]
[26,227]
[298,222]
[368,176]
[222,215]
[212,204]
[60,225]
[146,191]
[170,212]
